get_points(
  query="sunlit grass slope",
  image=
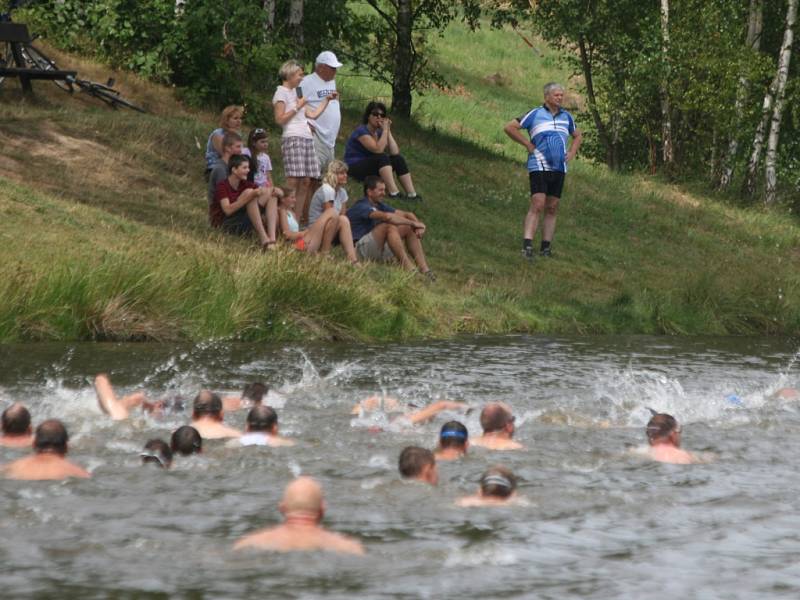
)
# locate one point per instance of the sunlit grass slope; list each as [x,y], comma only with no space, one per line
[104,231]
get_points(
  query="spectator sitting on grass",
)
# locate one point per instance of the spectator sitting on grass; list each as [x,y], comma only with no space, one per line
[237,206]
[318,236]
[381,232]
[230,121]
[333,195]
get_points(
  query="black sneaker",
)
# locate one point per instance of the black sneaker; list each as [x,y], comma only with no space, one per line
[527,253]
[430,275]
[414,198]
[546,252]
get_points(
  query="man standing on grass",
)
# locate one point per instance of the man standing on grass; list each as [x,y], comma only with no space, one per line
[548,128]
[316,87]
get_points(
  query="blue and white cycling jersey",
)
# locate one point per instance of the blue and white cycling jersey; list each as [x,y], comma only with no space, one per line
[549,134]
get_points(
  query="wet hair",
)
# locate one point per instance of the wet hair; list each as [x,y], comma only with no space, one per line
[288,69]
[237,160]
[498,482]
[229,138]
[255,392]
[371,182]
[660,426]
[186,440]
[370,107]
[207,403]
[157,451]
[228,112]
[334,168]
[51,436]
[494,417]
[261,418]
[413,459]
[453,435]
[16,420]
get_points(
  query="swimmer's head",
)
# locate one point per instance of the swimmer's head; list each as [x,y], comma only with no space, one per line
[303,496]
[498,482]
[51,437]
[16,420]
[164,406]
[497,417]
[254,392]
[186,440]
[663,428]
[157,452]
[453,435]
[418,463]
[207,404]
[388,404]
[262,418]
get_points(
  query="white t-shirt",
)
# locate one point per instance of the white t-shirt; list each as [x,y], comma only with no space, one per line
[254,438]
[263,168]
[298,125]
[328,123]
[326,194]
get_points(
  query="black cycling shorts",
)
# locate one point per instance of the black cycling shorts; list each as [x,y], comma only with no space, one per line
[549,183]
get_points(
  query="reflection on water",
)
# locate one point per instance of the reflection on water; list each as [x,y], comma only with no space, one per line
[600,522]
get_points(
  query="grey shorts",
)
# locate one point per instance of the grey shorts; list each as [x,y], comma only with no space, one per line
[324,154]
[367,249]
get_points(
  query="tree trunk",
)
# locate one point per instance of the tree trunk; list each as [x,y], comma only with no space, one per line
[667,153]
[782,75]
[269,16]
[755,23]
[602,131]
[403,60]
[749,186]
[296,24]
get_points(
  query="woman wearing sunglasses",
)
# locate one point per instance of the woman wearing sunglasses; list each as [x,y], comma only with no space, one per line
[372,150]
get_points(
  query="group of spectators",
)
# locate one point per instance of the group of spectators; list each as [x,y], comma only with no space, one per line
[310,211]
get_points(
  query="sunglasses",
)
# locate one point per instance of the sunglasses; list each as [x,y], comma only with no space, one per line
[378,114]
[259,130]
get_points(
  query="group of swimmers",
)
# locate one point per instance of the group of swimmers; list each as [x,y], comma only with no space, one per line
[302,504]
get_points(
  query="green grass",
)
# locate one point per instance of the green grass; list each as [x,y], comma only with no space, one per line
[104,230]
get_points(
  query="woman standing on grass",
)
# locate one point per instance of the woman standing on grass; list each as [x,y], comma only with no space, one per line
[300,162]
[318,236]
[231,120]
[332,194]
[372,150]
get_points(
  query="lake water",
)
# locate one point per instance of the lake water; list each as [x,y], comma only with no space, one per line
[601,521]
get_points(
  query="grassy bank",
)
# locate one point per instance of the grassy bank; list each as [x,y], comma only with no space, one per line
[104,230]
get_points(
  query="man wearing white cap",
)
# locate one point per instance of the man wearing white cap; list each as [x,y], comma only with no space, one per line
[316,86]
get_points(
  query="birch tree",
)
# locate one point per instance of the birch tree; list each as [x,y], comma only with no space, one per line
[296,23]
[770,174]
[667,153]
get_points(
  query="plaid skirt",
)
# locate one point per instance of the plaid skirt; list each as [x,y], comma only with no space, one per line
[299,157]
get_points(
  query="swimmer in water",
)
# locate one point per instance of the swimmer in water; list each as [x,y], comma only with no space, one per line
[262,428]
[786,393]
[119,409]
[498,488]
[207,417]
[498,428]
[389,404]
[157,452]
[303,508]
[453,441]
[186,441]
[418,464]
[15,428]
[664,436]
[48,461]
[252,395]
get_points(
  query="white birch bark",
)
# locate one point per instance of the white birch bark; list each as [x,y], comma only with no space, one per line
[296,21]
[269,15]
[770,173]
[666,122]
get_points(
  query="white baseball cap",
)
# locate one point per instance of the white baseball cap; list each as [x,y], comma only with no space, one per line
[328,58]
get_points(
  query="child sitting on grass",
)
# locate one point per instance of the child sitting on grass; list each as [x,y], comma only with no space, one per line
[318,236]
[260,162]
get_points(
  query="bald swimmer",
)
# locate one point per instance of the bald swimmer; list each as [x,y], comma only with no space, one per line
[262,428]
[207,417]
[498,428]
[418,464]
[498,487]
[453,441]
[48,461]
[15,428]
[664,436]
[303,508]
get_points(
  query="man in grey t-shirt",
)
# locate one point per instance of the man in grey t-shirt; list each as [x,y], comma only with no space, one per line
[316,86]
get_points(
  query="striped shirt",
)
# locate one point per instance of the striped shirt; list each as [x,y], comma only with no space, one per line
[549,134]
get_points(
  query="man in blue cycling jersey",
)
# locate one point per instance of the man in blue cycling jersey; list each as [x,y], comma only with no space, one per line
[548,128]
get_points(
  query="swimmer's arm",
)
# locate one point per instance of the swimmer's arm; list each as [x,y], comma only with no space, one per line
[434,409]
[107,400]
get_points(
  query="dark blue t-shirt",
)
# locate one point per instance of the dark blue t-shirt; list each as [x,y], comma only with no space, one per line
[354,150]
[359,213]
